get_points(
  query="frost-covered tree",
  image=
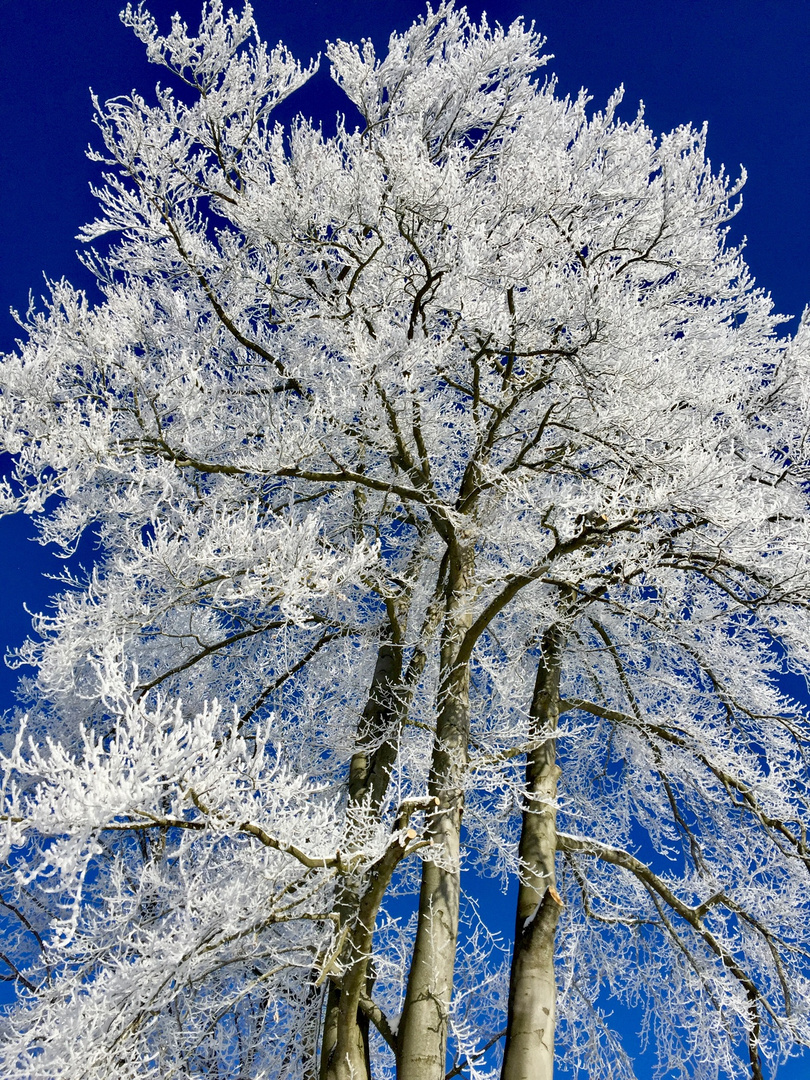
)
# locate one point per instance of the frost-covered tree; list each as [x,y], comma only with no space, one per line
[447,464]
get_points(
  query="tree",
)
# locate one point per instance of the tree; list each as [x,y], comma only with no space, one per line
[449,465]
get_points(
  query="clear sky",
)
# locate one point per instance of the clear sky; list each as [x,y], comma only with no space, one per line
[741,65]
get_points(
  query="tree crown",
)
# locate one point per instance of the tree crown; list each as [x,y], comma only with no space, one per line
[369,428]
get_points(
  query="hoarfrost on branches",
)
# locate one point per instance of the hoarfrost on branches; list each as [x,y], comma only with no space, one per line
[450,464]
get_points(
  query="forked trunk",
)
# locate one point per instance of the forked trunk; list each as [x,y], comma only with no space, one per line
[344,1047]
[350,1057]
[529,1051]
[422,1038]
[344,1044]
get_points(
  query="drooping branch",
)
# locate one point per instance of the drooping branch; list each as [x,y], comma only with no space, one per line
[733,785]
[691,914]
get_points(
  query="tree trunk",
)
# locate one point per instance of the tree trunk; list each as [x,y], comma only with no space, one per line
[422,1037]
[344,1047]
[350,1059]
[529,1050]
[345,1031]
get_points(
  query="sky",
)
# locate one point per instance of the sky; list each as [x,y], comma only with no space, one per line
[743,66]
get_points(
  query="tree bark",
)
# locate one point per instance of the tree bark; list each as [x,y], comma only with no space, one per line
[422,1036]
[350,1060]
[529,1050]
[345,1031]
[345,1036]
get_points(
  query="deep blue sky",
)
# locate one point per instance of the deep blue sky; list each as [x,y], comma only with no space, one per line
[741,65]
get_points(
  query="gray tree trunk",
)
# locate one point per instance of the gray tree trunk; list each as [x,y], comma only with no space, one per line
[529,1050]
[422,1036]
[344,1043]
[349,1059]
